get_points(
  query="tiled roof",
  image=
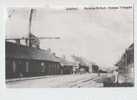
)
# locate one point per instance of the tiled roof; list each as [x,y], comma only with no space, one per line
[24,52]
[128,56]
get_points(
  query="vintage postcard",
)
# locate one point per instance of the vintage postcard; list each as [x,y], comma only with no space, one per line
[70,47]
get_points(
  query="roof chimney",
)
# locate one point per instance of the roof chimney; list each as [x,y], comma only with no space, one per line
[18,42]
[49,50]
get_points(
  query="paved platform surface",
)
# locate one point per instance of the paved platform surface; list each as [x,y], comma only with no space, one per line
[57,81]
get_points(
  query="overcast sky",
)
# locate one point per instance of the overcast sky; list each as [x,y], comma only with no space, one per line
[100,36]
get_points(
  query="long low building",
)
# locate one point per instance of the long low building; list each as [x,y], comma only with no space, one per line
[23,61]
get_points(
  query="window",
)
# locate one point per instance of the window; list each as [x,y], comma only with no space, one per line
[42,63]
[14,65]
[43,67]
[27,66]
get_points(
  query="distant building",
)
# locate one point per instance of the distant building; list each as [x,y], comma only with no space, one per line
[84,65]
[95,68]
[83,68]
[126,66]
[67,67]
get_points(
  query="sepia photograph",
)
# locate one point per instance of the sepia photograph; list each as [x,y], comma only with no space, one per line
[69,47]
